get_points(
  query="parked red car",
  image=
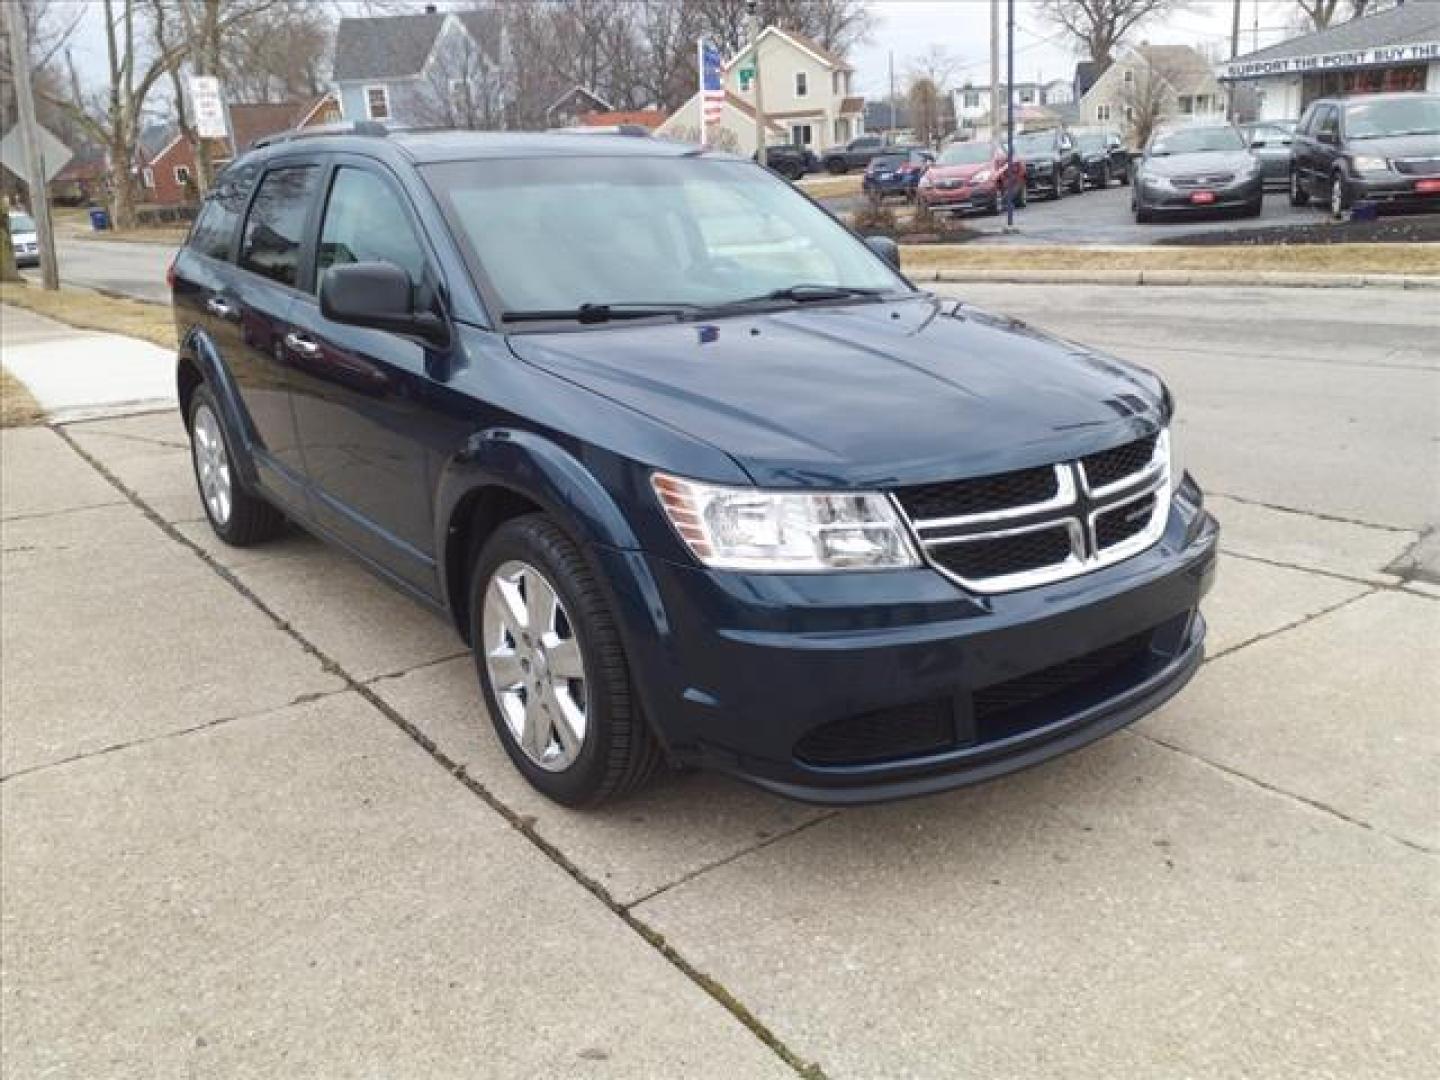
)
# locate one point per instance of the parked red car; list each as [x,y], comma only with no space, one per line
[972,176]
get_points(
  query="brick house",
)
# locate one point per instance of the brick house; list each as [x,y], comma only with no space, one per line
[167,178]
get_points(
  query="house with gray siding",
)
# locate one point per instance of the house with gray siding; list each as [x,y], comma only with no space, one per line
[432,69]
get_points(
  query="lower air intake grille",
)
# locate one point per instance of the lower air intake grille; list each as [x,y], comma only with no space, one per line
[996,557]
[883,735]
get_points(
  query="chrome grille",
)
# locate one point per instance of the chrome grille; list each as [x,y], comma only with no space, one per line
[1417,166]
[1203,180]
[1030,527]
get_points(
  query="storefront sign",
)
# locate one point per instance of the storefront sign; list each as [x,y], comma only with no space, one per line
[1380,56]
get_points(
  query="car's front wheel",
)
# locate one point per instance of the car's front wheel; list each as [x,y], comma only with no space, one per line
[553,669]
[836,166]
[1339,196]
[1299,196]
[238,517]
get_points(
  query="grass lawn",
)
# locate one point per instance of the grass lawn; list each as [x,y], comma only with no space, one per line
[17,407]
[820,186]
[1317,258]
[74,223]
[92,311]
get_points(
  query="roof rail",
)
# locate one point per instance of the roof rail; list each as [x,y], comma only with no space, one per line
[368,128]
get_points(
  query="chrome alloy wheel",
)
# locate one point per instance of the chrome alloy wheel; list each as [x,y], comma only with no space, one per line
[533,660]
[212,464]
[1337,196]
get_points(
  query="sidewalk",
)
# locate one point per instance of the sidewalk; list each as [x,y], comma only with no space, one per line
[77,374]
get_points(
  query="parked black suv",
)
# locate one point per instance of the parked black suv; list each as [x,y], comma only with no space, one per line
[1053,164]
[1103,155]
[791,161]
[1382,148]
[855,154]
[698,475]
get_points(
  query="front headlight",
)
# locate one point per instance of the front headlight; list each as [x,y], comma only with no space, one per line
[780,531]
[981,177]
[1365,163]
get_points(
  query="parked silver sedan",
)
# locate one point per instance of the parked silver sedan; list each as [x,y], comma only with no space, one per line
[1270,142]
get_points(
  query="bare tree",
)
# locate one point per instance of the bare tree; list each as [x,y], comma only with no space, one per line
[1099,27]
[466,86]
[833,24]
[1320,14]
[926,110]
[1152,93]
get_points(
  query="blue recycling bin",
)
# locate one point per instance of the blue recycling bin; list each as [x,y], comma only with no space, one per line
[99,219]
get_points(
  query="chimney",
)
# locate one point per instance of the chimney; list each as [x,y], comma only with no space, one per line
[431,9]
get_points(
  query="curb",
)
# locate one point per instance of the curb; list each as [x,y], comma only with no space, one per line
[1265,279]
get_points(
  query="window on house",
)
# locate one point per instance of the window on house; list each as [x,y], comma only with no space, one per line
[1129,112]
[972,99]
[1027,97]
[1187,105]
[147,177]
[801,135]
[377,102]
[1129,75]
[1102,112]
[802,84]
[837,83]
[182,175]
[1202,104]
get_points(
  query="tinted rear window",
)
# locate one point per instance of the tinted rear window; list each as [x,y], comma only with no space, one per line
[214,230]
[276,225]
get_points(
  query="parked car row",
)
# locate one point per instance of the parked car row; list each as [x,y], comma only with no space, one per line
[1382,149]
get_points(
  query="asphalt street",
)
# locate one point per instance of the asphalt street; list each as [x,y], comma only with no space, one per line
[255,821]
[115,266]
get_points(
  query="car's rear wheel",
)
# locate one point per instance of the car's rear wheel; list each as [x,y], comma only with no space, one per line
[835,166]
[237,516]
[552,667]
[1077,185]
[1104,178]
[1143,214]
[1022,197]
[1299,196]
[1256,208]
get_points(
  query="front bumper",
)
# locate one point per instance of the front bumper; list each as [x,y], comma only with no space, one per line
[1395,189]
[887,187]
[1048,181]
[739,672]
[959,200]
[1176,200]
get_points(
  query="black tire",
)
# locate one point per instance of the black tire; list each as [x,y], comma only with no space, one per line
[1059,190]
[1143,215]
[1077,186]
[792,172]
[251,520]
[619,753]
[1299,194]
[836,166]
[1125,177]
[1339,196]
[1256,208]
[1104,184]
[1022,197]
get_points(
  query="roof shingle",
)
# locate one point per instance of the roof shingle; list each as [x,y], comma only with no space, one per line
[1409,23]
[391,47]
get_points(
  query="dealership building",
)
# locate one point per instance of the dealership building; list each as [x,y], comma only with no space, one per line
[1397,48]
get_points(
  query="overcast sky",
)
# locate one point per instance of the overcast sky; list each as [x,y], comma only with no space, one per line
[908,27]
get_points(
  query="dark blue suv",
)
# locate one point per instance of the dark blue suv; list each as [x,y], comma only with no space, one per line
[697,473]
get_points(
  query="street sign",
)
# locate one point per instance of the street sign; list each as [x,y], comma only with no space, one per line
[747,78]
[207,107]
[54,154]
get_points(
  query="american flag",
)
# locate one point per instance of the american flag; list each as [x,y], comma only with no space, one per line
[712,83]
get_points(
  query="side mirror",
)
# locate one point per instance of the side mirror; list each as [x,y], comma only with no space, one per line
[886,248]
[1256,144]
[377,295]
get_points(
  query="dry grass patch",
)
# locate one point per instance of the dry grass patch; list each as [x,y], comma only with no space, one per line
[831,187]
[1310,258]
[92,311]
[17,407]
[74,224]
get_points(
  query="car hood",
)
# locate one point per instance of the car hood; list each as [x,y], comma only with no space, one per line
[1038,155]
[1205,161]
[1397,146]
[955,172]
[865,395]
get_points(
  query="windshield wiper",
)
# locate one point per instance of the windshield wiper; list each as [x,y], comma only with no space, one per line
[597,313]
[803,294]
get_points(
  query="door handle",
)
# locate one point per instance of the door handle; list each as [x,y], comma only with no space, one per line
[216,306]
[298,343]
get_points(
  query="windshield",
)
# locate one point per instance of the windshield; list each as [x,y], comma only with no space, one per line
[21,223]
[1196,140]
[1090,142]
[556,233]
[888,161]
[1396,116]
[967,154]
[1037,142]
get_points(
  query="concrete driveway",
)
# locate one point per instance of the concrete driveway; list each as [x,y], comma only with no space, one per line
[255,822]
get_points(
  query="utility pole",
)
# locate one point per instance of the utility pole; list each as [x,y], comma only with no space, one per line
[30,134]
[754,20]
[994,72]
[1234,52]
[890,135]
[1010,109]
